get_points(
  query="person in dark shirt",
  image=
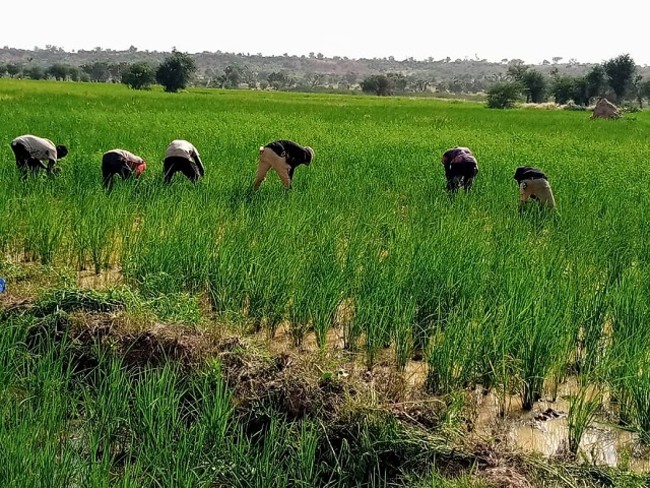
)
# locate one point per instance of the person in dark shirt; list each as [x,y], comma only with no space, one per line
[123,163]
[460,168]
[283,156]
[534,185]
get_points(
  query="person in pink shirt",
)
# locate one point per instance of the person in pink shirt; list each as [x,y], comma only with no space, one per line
[122,163]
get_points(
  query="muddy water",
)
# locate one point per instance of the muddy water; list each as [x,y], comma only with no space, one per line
[101,281]
[531,432]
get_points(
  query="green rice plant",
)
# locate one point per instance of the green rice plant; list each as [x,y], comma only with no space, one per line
[305,471]
[211,406]
[157,412]
[451,360]
[74,300]
[536,347]
[402,320]
[37,410]
[627,372]
[583,408]
[258,462]
[94,231]
[491,296]
[45,232]
[106,406]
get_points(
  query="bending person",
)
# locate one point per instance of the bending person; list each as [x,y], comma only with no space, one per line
[284,157]
[31,151]
[460,168]
[123,163]
[533,185]
[182,156]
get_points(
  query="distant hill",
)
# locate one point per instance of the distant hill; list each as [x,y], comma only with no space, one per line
[312,71]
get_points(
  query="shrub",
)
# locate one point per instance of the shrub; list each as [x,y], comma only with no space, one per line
[380,85]
[139,76]
[503,95]
[175,72]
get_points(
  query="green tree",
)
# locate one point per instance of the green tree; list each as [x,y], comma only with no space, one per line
[35,72]
[596,80]
[516,70]
[175,71]
[378,84]
[97,71]
[563,88]
[620,74]
[535,86]
[231,77]
[139,76]
[58,71]
[533,82]
[398,82]
[115,70]
[74,73]
[504,95]
[642,89]
[579,93]
[14,69]
[279,80]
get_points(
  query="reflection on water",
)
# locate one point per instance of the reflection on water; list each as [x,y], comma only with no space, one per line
[601,444]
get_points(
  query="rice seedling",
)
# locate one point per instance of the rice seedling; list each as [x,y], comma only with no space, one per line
[583,407]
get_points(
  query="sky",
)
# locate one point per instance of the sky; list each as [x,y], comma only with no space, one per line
[496,30]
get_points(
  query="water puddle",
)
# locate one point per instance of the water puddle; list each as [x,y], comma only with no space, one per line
[544,430]
[101,281]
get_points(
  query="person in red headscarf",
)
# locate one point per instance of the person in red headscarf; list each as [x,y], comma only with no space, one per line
[123,163]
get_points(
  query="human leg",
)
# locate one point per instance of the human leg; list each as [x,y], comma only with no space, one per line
[263,166]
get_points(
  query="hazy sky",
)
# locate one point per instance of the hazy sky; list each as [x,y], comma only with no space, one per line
[529,30]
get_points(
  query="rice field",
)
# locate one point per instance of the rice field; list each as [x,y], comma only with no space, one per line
[491,296]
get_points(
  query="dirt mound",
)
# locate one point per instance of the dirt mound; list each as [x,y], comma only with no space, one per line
[260,379]
[91,334]
[605,109]
[152,347]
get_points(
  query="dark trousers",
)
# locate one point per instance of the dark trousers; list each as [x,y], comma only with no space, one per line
[460,174]
[188,168]
[25,162]
[114,164]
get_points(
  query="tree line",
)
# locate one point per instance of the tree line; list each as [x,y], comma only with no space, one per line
[174,73]
[618,79]
[143,74]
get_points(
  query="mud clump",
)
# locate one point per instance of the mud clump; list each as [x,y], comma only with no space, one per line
[265,382]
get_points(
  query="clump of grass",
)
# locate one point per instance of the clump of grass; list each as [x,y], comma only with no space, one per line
[583,408]
[72,300]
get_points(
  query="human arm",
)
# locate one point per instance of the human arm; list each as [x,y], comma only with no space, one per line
[199,163]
